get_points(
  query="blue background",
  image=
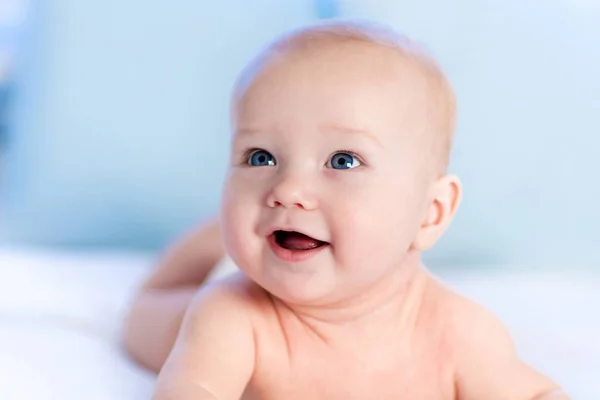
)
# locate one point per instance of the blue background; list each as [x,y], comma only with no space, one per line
[119,127]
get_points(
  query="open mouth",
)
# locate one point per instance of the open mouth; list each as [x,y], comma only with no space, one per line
[296,241]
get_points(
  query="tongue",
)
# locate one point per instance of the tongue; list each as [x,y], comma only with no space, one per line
[298,241]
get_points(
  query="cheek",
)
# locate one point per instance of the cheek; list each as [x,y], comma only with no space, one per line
[378,219]
[240,207]
[245,189]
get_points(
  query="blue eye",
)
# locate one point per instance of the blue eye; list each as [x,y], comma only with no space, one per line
[261,158]
[343,161]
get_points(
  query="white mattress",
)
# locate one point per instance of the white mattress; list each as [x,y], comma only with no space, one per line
[60,314]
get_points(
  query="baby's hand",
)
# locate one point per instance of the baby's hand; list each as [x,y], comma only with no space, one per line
[213,357]
[488,366]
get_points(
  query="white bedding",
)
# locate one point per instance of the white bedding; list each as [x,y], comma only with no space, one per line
[59,324]
[60,314]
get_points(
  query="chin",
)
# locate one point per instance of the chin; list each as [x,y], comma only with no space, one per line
[307,280]
[304,297]
[297,287]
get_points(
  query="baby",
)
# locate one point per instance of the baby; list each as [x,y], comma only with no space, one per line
[337,184]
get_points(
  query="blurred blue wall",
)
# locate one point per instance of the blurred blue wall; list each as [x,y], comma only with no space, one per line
[12,16]
[527,76]
[121,126]
[121,118]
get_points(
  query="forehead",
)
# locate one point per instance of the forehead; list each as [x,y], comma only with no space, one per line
[356,85]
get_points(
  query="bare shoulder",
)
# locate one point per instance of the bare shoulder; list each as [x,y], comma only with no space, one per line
[486,360]
[219,319]
[477,328]
[465,320]
[235,297]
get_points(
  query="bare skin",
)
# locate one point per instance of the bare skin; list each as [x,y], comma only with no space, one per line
[290,346]
[329,202]
[157,311]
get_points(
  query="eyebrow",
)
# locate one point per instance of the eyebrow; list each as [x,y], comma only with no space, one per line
[247,131]
[353,131]
[328,128]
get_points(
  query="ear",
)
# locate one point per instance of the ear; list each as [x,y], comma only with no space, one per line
[442,204]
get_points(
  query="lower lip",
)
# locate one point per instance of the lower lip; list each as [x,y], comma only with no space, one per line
[293,256]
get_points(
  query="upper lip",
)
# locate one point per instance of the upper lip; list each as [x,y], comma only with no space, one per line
[289,229]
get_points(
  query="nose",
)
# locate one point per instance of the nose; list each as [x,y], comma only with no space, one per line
[292,191]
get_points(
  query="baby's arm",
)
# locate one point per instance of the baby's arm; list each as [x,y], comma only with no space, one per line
[213,358]
[189,261]
[157,311]
[489,368]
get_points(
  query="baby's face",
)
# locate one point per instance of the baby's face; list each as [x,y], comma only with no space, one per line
[325,191]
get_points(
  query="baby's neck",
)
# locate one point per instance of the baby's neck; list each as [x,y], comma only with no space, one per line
[390,306]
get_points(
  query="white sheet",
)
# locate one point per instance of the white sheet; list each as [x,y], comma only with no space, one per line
[59,322]
[60,314]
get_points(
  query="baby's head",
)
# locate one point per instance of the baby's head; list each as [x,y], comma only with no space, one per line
[337,179]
